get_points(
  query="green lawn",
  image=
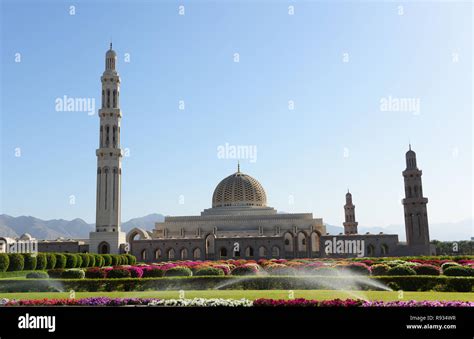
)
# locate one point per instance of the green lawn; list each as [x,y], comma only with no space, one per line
[255,294]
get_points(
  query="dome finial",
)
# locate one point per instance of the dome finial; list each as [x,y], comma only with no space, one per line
[238,166]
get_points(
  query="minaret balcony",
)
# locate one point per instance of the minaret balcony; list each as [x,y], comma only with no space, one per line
[107,151]
[408,201]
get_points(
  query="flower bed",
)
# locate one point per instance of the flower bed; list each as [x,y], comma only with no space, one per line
[214,302]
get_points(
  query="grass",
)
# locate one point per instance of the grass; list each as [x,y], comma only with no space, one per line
[255,294]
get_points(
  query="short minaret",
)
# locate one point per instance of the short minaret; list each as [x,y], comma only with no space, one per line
[416,218]
[350,225]
[107,237]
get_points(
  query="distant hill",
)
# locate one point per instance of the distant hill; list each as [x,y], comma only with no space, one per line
[55,228]
[78,228]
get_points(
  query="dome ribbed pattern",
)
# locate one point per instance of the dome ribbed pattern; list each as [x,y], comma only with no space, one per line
[239,189]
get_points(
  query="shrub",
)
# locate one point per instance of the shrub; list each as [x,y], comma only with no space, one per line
[124,259]
[355,268]
[401,270]
[132,260]
[393,285]
[50,261]
[41,261]
[37,275]
[379,269]
[324,271]
[85,259]
[95,273]
[60,261]
[17,262]
[91,260]
[178,271]
[459,285]
[4,262]
[79,260]
[119,259]
[426,270]
[30,262]
[117,273]
[209,271]
[459,271]
[446,265]
[99,260]
[136,272]
[245,270]
[73,274]
[71,260]
[107,259]
[153,273]
[279,269]
[55,273]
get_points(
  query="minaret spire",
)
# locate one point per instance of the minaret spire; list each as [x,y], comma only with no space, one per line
[238,166]
[107,237]
[350,223]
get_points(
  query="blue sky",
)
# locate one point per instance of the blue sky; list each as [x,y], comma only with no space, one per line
[335,60]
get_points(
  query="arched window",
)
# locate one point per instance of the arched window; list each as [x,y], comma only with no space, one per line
[101,137]
[107,130]
[115,99]
[301,242]
[370,250]
[184,254]
[288,242]
[223,252]
[171,253]
[314,242]
[108,98]
[249,251]
[210,244]
[103,98]
[384,249]
[104,248]
[106,171]
[275,252]
[197,253]
[262,251]
[114,136]
[143,255]
[157,254]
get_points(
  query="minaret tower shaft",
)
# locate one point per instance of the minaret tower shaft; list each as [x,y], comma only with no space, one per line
[416,218]
[107,237]
[350,224]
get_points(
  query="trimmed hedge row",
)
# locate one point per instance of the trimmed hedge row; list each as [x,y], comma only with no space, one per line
[407,283]
[46,261]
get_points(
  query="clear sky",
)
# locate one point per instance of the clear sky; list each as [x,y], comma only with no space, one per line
[336,61]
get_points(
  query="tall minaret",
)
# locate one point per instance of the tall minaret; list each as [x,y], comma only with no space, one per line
[107,237]
[350,225]
[416,219]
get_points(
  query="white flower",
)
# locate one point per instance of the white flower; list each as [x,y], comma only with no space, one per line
[202,302]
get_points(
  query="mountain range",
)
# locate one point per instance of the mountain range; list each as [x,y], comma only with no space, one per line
[79,229]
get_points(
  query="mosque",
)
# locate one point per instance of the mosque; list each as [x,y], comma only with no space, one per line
[240,224]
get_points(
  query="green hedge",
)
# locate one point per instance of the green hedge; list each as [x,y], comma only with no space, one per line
[4,262]
[41,261]
[407,283]
[47,261]
[60,261]
[50,261]
[71,260]
[17,262]
[30,262]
